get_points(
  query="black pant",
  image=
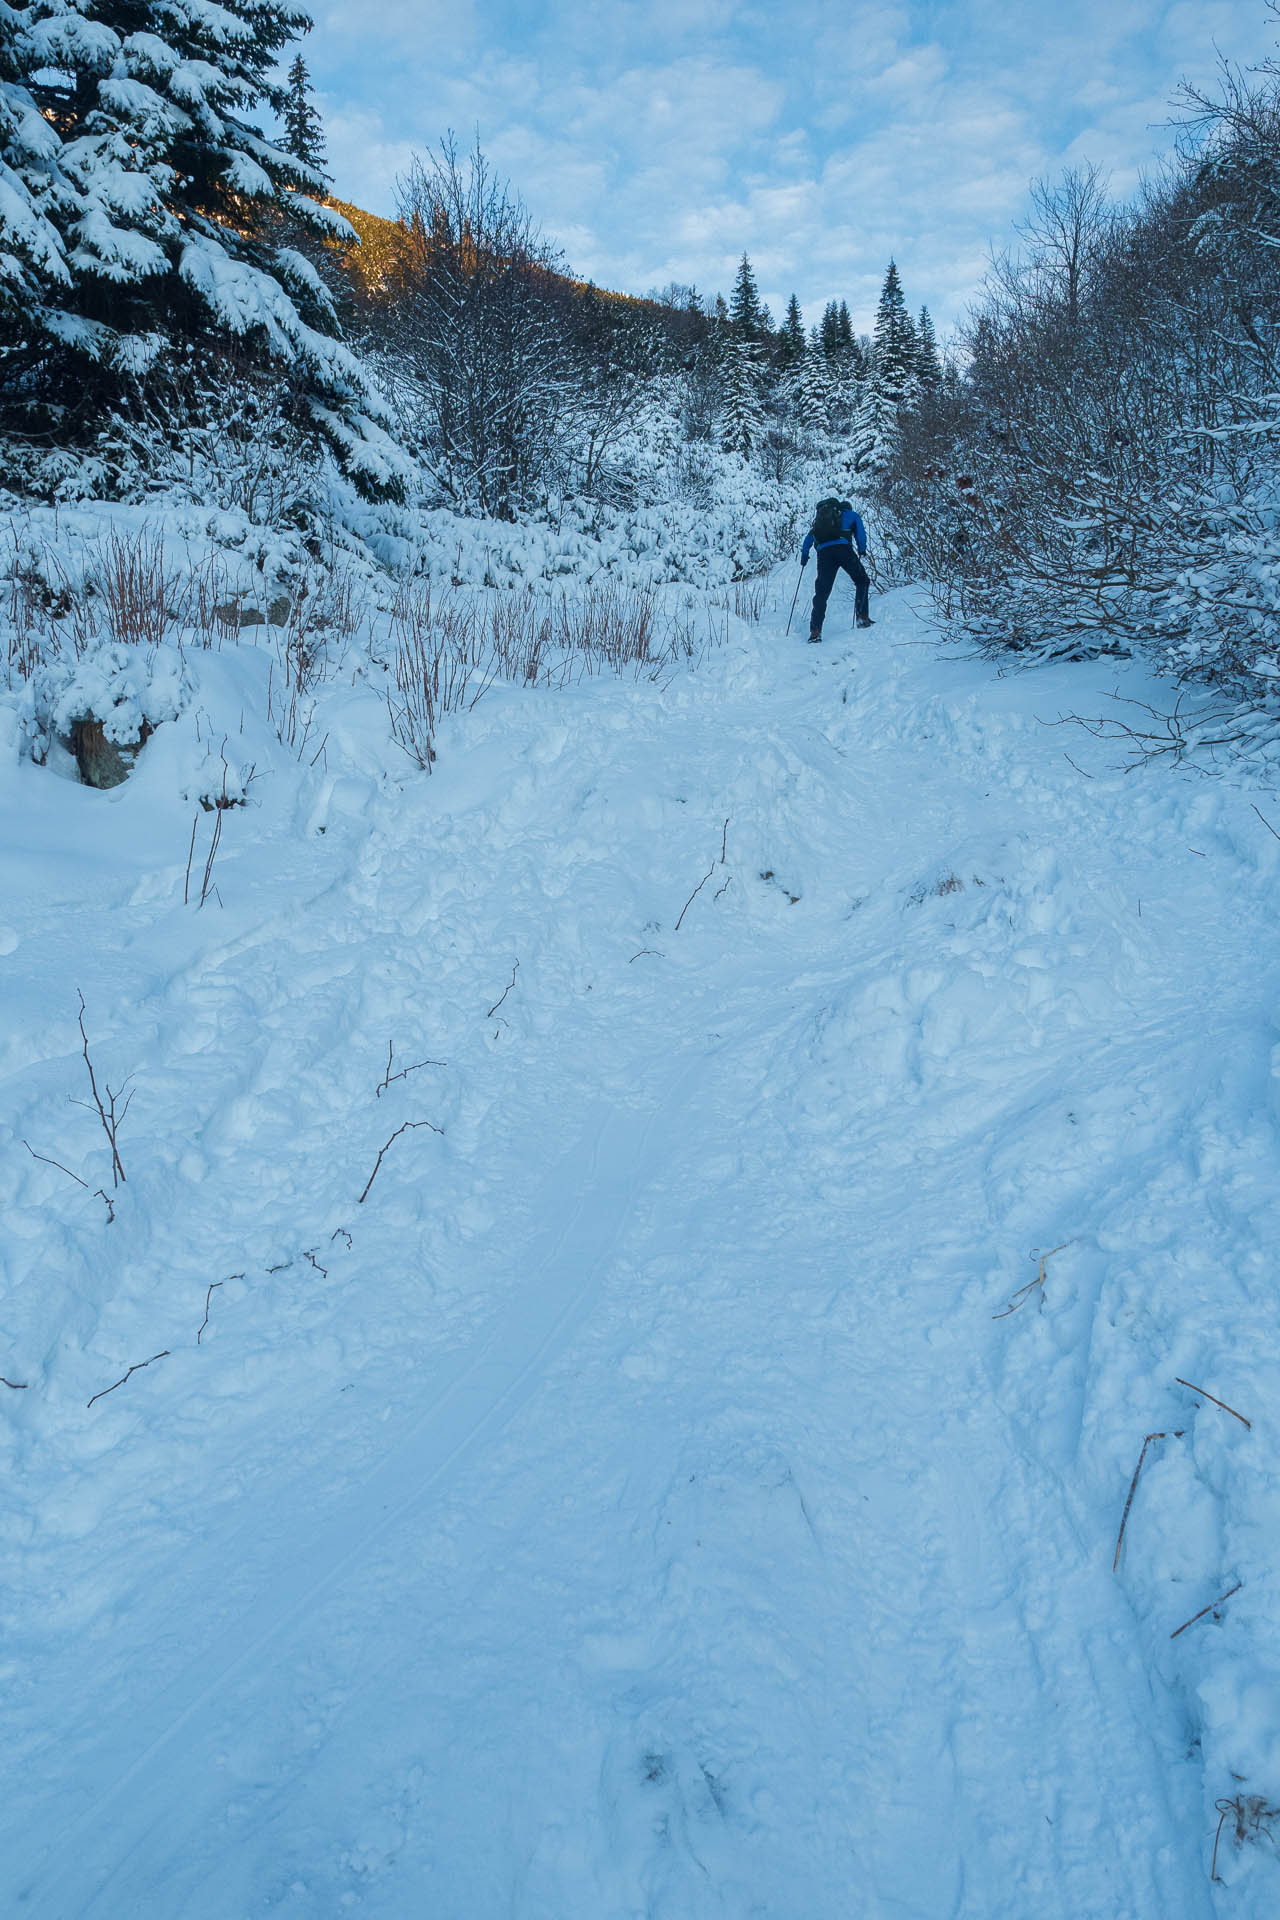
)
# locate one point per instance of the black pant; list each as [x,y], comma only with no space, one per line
[831,561]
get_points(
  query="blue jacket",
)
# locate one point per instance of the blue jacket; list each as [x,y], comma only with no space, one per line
[852,524]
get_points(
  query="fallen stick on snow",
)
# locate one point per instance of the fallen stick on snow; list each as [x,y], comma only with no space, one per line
[1133,1487]
[693,896]
[1192,1388]
[54,1163]
[18,1386]
[1209,1609]
[213,1285]
[136,1368]
[494,1008]
[408,1125]
[404,1072]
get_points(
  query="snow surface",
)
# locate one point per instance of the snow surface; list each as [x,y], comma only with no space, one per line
[634,1506]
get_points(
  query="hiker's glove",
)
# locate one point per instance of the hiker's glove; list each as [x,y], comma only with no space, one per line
[804,561]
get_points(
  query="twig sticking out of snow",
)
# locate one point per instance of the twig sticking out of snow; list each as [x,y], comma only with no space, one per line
[206,885]
[1266,823]
[18,1386]
[404,1072]
[55,1163]
[1192,1388]
[1023,1294]
[208,1297]
[1212,1606]
[497,1003]
[111,1120]
[1250,1811]
[186,884]
[136,1368]
[406,1128]
[1133,1488]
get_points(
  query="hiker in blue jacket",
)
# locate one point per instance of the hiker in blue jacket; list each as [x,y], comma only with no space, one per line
[835,529]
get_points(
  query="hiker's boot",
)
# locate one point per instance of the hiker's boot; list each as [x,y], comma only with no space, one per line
[866,621]
[815,637]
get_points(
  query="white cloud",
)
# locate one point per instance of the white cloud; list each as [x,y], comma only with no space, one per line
[657,141]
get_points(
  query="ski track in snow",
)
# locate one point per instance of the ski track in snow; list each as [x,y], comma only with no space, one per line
[643,1514]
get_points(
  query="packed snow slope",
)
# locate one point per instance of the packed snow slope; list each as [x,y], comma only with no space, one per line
[640,1500]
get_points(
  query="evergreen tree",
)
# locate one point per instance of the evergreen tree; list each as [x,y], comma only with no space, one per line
[844,329]
[792,335]
[303,129]
[874,434]
[745,312]
[169,210]
[817,395]
[928,364]
[742,424]
[830,332]
[894,350]
[37,201]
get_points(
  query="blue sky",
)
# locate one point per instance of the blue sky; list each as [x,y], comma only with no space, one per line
[656,141]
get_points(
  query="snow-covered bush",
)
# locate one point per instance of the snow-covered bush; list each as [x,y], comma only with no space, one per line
[104,705]
[1106,475]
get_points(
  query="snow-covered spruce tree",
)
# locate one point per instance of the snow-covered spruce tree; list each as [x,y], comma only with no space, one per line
[174,216]
[742,421]
[894,352]
[36,198]
[891,383]
[303,128]
[928,363]
[791,340]
[746,315]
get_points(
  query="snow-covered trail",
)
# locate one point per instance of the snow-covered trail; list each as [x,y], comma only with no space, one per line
[634,1507]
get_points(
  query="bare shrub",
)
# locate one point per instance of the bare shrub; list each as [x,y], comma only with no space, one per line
[444,661]
[26,631]
[749,600]
[607,628]
[213,608]
[142,598]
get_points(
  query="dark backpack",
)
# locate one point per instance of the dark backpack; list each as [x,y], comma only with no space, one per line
[828,520]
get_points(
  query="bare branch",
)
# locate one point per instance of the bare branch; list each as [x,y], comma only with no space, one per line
[136,1368]
[1212,1606]
[388,1077]
[213,1284]
[18,1386]
[55,1163]
[186,885]
[497,1003]
[1192,1388]
[693,896]
[1133,1488]
[408,1126]
[107,1114]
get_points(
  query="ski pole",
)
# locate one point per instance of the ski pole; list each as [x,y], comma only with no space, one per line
[795,596]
